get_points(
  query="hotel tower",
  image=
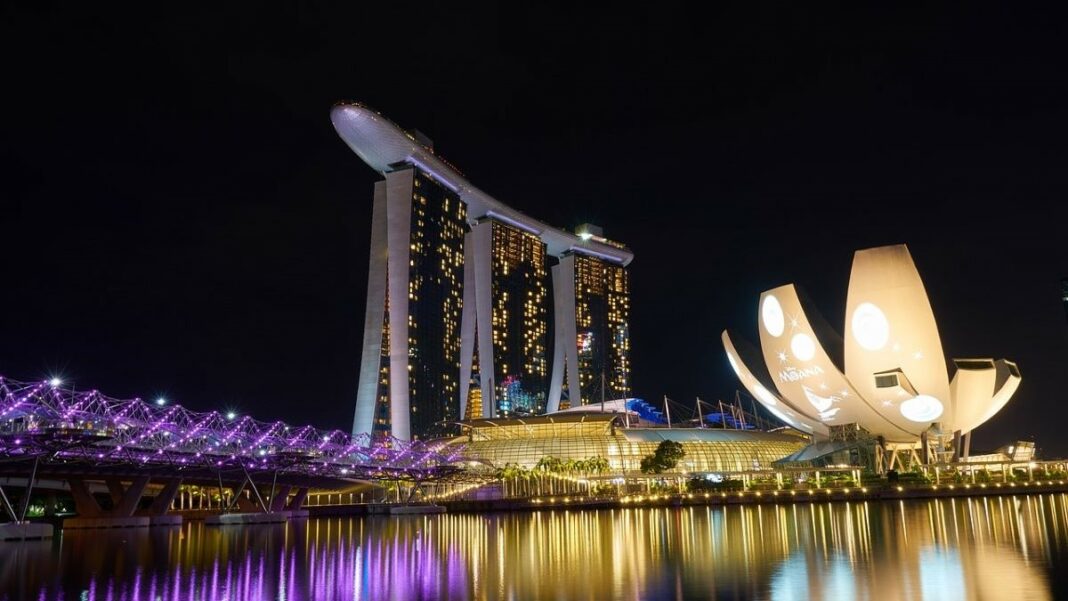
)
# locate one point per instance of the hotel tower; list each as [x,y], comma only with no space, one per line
[481,310]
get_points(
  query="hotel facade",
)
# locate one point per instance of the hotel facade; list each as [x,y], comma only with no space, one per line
[476,310]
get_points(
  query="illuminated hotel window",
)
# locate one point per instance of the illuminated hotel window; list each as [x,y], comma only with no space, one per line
[435,292]
[520,319]
[602,325]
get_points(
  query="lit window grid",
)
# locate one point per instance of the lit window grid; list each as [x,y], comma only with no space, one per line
[602,315]
[520,322]
[435,293]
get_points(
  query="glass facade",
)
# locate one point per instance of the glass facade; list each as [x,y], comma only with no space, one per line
[435,300]
[520,299]
[602,327]
[525,441]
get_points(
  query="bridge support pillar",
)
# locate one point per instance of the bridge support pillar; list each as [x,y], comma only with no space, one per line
[278,501]
[166,495]
[130,496]
[84,503]
[247,505]
[298,499]
[126,499]
[116,490]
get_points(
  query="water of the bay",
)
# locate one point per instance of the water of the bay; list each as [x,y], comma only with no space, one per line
[969,548]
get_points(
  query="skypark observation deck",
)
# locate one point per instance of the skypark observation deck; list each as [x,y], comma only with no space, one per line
[382,144]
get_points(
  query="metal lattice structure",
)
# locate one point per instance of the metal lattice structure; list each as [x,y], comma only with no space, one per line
[45,421]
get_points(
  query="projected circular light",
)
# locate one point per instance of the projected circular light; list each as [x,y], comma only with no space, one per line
[734,365]
[870,328]
[803,346]
[765,397]
[771,313]
[922,408]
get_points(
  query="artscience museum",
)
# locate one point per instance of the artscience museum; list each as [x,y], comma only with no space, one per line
[887,381]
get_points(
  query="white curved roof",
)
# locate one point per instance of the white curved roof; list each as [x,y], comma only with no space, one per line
[895,382]
[381,143]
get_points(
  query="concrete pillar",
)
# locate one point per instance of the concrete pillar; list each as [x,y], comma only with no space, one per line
[482,241]
[131,498]
[565,345]
[116,490]
[246,505]
[298,499]
[165,497]
[467,325]
[399,186]
[84,503]
[371,357]
[278,501]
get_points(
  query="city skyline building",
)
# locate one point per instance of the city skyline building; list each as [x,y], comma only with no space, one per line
[506,319]
[412,322]
[1064,296]
[592,307]
[460,292]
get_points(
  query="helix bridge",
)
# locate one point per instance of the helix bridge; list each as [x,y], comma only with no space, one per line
[62,431]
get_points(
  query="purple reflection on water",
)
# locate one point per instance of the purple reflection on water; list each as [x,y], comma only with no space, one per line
[808,551]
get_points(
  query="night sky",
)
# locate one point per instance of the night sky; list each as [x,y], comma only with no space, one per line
[180,218]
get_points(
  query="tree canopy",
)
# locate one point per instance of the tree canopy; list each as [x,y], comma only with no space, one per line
[667,455]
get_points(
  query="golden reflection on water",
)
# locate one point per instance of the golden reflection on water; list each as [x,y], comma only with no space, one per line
[968,548]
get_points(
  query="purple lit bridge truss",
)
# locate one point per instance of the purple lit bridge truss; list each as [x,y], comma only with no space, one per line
[60,432]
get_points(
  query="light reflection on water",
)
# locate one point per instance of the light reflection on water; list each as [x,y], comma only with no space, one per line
[996,547]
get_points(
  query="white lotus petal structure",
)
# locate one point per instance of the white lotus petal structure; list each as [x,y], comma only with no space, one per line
[888,375]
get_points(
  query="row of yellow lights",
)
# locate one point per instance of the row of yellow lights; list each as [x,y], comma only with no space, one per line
[554,500]
[793,493]
[774,493]
[454,493]
[741,494]
[996,485]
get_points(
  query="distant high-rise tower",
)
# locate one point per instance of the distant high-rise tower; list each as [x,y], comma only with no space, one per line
[592,308]
[1064,296]
[414,301]
[508,318]
[458,297]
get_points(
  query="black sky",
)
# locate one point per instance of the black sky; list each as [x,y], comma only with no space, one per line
[180,218]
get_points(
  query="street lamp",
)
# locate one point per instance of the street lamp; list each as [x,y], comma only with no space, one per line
[161,401]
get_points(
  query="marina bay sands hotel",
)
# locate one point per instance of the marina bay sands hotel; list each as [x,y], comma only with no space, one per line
[459,320]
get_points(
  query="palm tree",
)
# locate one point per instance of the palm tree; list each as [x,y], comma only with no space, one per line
[596,465]
[511,474]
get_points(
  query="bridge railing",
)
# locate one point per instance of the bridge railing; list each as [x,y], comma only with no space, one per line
[46,419]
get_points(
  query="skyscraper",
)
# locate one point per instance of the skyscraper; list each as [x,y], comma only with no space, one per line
[1064,296]
[412,322]
[592,308]
[458,297]
[602,314]
[508,319]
